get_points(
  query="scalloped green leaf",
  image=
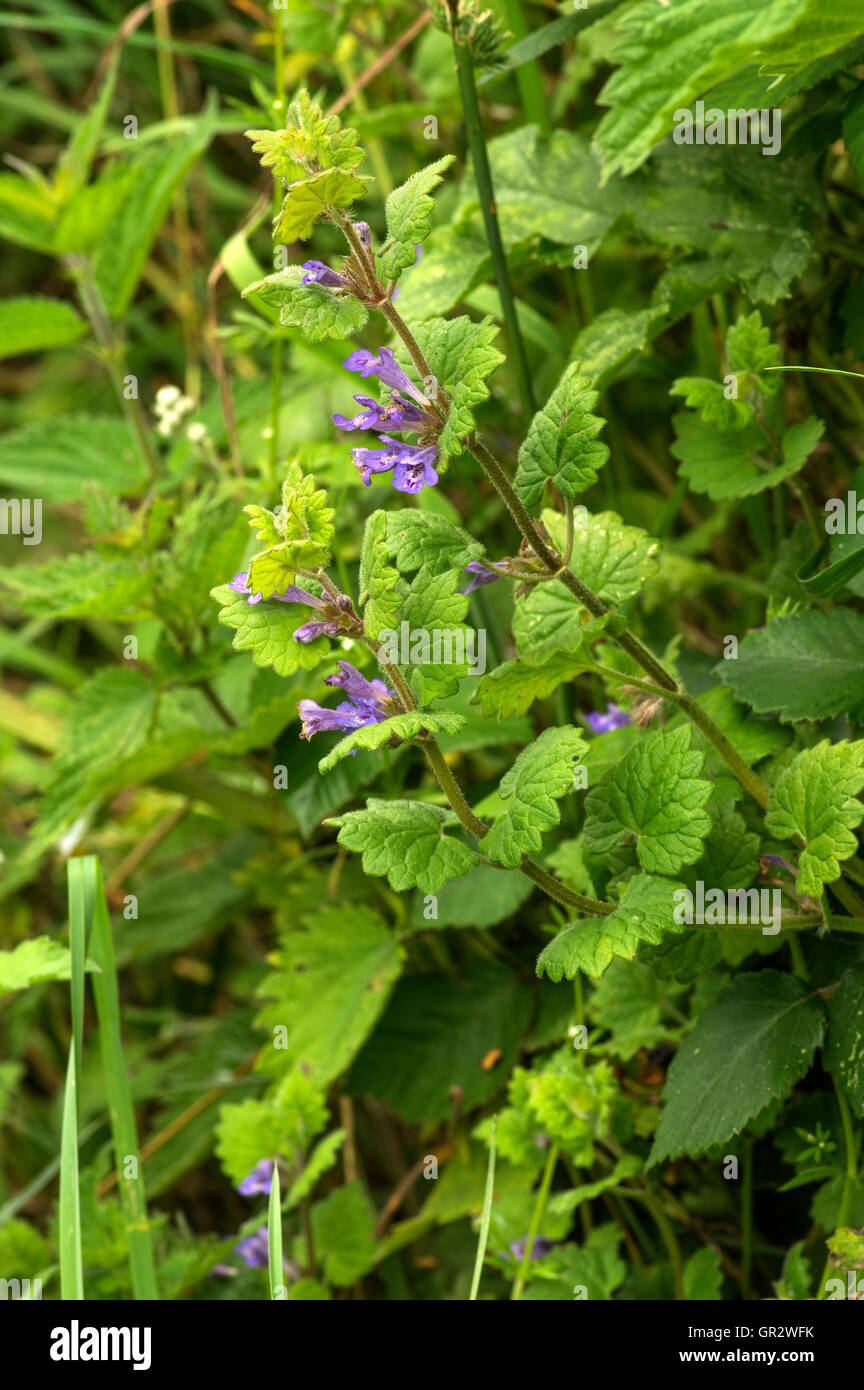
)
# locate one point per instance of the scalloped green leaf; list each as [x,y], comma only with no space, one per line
[461,356]
[406,840]
[317,311]
[378,580]
[267,631]
[561,446]
[408,209]
[816,798]
[809,665]
[401,727]
[311,198]
[530,791]
[644,916]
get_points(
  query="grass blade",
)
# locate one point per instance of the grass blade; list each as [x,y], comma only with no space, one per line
[130,1179]
[485,1218]
[71,1267]
[274,1239]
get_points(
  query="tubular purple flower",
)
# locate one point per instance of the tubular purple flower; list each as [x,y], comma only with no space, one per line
[386,368]
[481,574]
[240,584]
[364,232]
[317,273]
[415,470]
[396,414]
[259,1180]
[254,1250]
[540,1246]
[369,703]
[369,461]
[614,718]
[356,686]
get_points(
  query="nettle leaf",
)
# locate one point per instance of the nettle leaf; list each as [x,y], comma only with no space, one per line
[513,687]
[751,1044]
[460,357]
[655,794]
[56,459]
[311,198]
[644,916]
[329,988]
[561,445]
[267,631]
[844,1045]
[406,841]
[37,324]
[709,400]
[427,541]
[342,1229]
[378,580]
[613,559]
[317,311]
[408,209]
[309,139]
[750,350]
[284,1123]
[807,666]
[530,791]
[81,586]
[730,463]
[32,961]
[816,798]
[401,727]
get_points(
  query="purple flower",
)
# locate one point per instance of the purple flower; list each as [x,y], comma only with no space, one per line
[369,703]
[540,1246]
[259,1180]
[369,461]
[780,862]
[481,574]
[386,368]
[317,273]
[415,470]
[331,622]
[614,718]
[254,1250]
[396,414]
[364,231]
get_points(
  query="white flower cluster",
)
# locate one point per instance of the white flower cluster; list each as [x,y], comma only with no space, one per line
[170,408]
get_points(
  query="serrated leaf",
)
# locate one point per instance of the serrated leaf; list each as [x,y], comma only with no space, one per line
[513,687]
[79,587]
[378,580]
[405,840]
[408,208]
[709,400]
[730,463]
[56,460]
[267,631]
[613,559]
[561,445]
[285,1123]
[434,609]
[309,139]
[319,1162]
[32,961]
[317,311]
[748,1048]
[540,776]
[311,198]
[427,541]
[401,727]
[37,325]
[656,795]
[461,356]
[808,666]
[342,1227]
[333,978]
[644,916]
[816,798]
[750,350]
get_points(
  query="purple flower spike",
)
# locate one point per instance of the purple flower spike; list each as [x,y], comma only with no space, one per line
[614,718]
[259,1180]
[254,1250]
[317,273]
[396,414]
[540,1246]
[415,470]
[386,368]
[368,703]
[481,574]
[356,686]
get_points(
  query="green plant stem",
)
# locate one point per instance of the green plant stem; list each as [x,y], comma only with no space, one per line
[850,1180]
[530,75]
[667,1235]
[536,1218]
[483,175]
[485,1217]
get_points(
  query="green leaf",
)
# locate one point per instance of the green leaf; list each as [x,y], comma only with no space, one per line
[401,726]
[612,559]
[311,198]
[750,351]
[267,631]
[726,463]
[807,666]
[643,916]
[434,605]
[330,986]
[342,1231]
[540,776]
[434,1036]
[561,445]
[627,1002]
[27,212]
[654,794]
[30,962]
[460,357]
[751,1044]
[378,580]
[298,535]
[310,139]
[317,311]
[669,55]
[283,1124]
[709,400]
[427,541]
[703,1276]
[606,344]
[36,325]
[406,841]
[513,687]
[844,1045]
[320,1161]
[56,460]
[816,798]
[408,208]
